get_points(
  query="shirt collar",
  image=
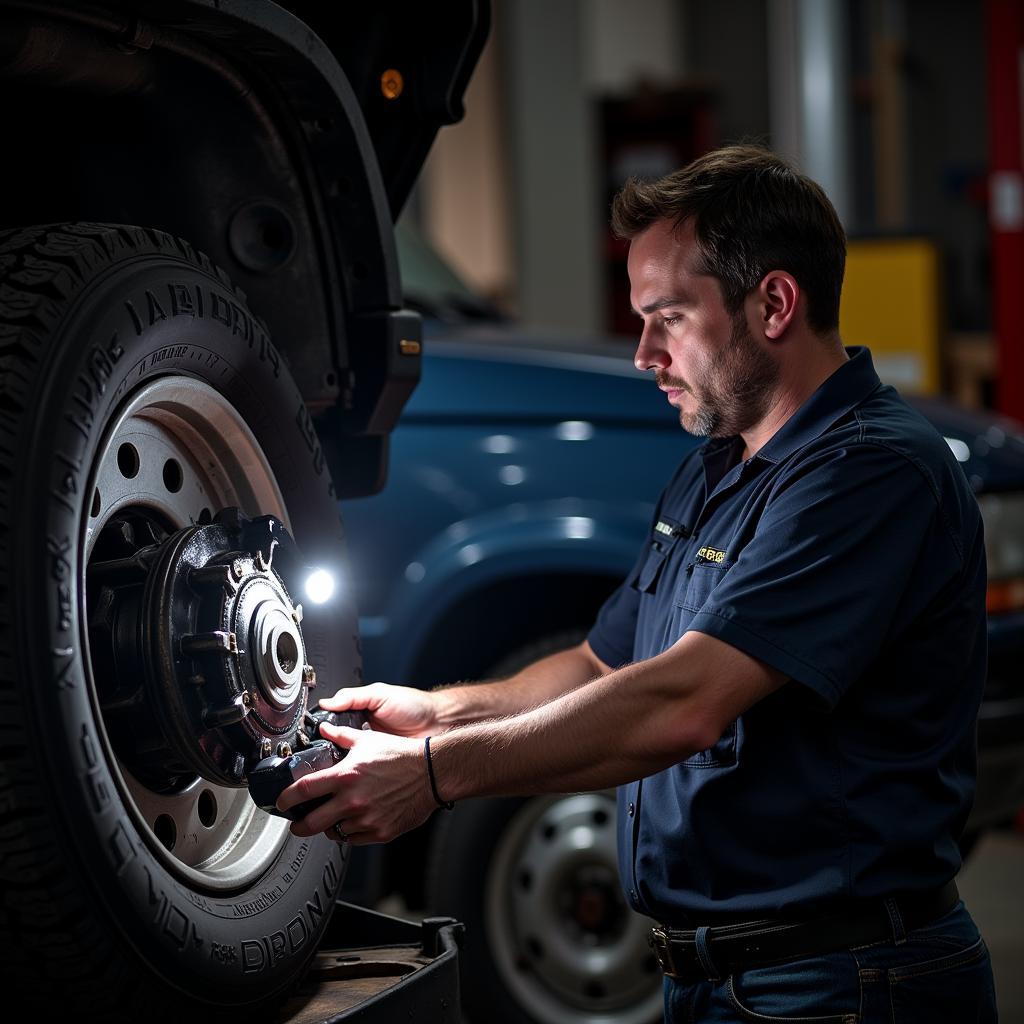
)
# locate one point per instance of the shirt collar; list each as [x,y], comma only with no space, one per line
[846,388]
[720,456]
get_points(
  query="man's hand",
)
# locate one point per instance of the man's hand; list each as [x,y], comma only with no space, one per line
[399,710]
[378,791]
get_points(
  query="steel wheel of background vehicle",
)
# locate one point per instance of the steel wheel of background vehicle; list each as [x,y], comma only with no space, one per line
[549,936]
[155,467]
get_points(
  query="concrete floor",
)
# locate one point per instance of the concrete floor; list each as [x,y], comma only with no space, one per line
[992,887]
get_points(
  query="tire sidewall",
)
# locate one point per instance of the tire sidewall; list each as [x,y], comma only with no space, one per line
[147,316]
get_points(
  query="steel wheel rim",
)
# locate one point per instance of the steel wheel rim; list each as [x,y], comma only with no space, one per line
[551,970]
[210,836]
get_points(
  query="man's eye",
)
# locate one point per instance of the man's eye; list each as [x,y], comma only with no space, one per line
[669,321]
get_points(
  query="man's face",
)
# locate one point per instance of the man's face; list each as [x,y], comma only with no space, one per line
[707,361]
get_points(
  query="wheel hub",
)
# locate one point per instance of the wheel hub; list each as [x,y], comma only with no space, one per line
[209,665]
[593,905]
[277,644]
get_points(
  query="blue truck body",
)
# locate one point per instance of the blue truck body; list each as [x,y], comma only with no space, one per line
[508,464]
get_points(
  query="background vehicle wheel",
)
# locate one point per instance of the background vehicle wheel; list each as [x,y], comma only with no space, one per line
[139,396]
[549,936]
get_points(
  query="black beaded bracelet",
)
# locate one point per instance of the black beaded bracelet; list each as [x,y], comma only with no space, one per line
[446,804]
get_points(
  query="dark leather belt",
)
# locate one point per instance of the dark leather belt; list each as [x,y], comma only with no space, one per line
[727,949]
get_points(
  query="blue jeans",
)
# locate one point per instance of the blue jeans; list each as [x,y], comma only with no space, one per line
[939,974]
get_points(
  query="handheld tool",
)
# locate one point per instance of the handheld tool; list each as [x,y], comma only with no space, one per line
[271,776]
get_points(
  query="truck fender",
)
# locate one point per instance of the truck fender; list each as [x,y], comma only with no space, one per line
[531,539]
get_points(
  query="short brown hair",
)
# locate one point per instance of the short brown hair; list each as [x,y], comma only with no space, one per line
[751,213]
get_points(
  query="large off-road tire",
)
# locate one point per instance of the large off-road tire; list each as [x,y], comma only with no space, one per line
[133,375]
[549,937]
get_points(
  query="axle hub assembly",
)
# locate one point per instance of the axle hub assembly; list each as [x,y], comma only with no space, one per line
[206,669]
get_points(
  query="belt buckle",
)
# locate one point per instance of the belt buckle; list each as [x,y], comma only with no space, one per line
[662,948]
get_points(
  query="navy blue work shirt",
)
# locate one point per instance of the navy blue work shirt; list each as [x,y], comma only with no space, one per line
[848,554]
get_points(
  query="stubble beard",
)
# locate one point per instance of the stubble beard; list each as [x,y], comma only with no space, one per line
[733,392]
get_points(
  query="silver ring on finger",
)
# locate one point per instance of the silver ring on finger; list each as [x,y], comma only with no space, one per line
[339,832]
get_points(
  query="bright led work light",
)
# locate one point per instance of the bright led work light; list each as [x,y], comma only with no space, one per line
[319,586]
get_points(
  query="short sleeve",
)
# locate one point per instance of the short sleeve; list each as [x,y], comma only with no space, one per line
[612,635]
[847,539]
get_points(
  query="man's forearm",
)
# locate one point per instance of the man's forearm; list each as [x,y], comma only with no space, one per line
[535,685]
[617,728]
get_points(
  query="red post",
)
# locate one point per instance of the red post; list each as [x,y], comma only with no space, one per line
[1005,31]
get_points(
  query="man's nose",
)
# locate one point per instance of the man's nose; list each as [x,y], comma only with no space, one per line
[650,353]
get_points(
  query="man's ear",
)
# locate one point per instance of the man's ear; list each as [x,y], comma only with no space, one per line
[778,296]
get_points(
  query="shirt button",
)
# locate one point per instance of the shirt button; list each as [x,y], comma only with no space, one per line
[633,896]
[631,810]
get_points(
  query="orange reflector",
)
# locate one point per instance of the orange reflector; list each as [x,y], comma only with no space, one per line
[1005,596]
[392,83]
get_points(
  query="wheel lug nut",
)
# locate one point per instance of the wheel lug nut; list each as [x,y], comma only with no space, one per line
[284,750]
[297,614]
[265,748]
[308,676]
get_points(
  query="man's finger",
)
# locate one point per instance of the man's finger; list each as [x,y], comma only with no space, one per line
[342,735]
[309,787]
[349,837]
[353,698]
[320,819]
[340,807]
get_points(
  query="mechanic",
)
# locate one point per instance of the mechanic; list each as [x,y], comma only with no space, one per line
[785,688]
